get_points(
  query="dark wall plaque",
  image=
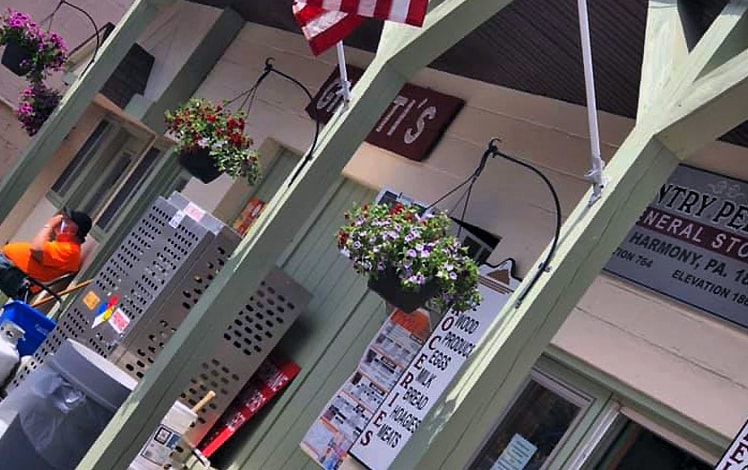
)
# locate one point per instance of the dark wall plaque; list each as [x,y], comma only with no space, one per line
[411,126]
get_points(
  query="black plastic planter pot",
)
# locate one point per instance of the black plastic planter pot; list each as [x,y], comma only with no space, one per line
[388,287]
[200,165]
[14,57]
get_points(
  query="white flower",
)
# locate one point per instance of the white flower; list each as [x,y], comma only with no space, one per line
[203,143]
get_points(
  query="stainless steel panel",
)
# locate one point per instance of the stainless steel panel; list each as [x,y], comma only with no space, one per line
[159,273]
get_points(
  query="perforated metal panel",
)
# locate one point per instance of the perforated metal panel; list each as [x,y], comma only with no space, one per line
[158,252]
[247,341]
[159,273]
[137,350]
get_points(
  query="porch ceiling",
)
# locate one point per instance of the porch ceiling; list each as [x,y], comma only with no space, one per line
[533,46]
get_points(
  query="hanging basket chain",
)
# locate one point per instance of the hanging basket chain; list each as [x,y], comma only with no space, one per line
[51,16]
[248,97]
[50,19]
[493,151]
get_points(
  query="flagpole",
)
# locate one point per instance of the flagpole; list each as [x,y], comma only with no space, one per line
[345,90]
[595,175]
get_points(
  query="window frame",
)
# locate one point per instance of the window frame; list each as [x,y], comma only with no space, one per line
[570,392]
[120,137]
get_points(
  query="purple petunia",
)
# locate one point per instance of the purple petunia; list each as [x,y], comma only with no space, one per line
[47,51]
[37,104]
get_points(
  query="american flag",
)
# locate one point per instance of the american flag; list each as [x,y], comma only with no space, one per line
[327,22]
[401,11]
[322,28]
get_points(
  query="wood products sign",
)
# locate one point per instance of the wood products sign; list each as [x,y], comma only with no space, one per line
[405,370]
[344,417]
[736,456]
[411,126]
[438,362]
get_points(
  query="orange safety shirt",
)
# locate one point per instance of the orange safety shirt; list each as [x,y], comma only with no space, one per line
[58,258]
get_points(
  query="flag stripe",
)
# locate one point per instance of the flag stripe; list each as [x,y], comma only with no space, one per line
[417,12]
[332,5]
[411,12]
[349,6]
[382,9]
[323,29]
[400,10]
[367,7]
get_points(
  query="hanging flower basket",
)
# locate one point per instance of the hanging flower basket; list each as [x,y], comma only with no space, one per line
[210,137]
[29,50]
[16,59]
[200,164]
[388,286]
[38,102]
[410,259]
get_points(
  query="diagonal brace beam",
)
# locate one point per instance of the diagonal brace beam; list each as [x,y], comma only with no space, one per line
[404,44]
[718,40]
[666,43]
[711,107]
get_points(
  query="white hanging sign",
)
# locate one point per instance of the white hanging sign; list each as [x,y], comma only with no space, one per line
[736,456]
[430,373]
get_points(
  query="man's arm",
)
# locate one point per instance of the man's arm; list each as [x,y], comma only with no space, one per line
[43,236]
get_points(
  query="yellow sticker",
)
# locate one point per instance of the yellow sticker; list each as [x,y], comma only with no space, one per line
[91,300]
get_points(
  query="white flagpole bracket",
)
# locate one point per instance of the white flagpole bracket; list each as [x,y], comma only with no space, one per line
[345,84]
[595,174]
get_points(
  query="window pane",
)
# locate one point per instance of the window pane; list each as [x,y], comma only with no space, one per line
[131,186]
[635,447]
[89,148]
[107,184]
[530,431]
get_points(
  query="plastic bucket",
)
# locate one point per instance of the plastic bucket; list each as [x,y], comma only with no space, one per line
[36,325]
[155,453]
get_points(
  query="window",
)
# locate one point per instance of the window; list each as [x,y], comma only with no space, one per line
[130,187]
[542,415]
[107,170]
[630,446]
[74,168]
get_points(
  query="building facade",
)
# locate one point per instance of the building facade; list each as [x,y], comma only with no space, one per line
[633,379]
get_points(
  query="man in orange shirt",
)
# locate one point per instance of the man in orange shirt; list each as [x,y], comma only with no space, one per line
[54,251]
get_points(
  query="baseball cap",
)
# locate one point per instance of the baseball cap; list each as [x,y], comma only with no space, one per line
[81,219]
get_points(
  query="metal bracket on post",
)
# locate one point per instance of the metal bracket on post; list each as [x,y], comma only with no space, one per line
[345,84]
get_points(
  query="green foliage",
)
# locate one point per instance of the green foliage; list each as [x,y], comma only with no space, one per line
[199,124]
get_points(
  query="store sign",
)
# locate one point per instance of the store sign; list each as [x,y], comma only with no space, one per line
[736,456]
[453,341]
[411,126]
[691,244]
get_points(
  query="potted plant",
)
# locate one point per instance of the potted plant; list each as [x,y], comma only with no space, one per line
[29,50]
[408,258]
[36,105]
[211,141]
